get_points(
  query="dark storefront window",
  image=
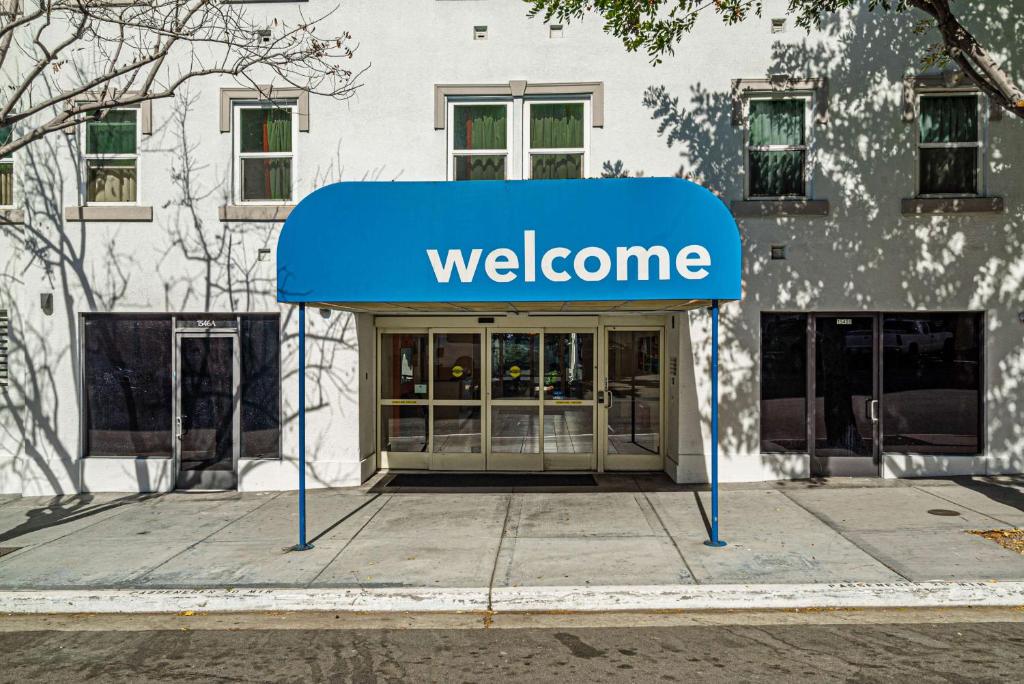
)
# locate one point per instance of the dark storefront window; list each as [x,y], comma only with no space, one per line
[129,393]
[128,402]
[260,386]
[783,382]
[931,383]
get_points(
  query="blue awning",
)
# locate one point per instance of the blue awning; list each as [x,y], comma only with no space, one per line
[594,240]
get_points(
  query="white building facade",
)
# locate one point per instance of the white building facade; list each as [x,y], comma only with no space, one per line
[881,330]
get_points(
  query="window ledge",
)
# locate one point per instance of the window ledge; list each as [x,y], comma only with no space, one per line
[108,213]
[12,216]
[255,212]
[913,206]
[767,208]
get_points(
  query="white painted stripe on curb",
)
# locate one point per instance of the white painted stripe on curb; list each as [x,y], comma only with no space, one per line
[519,599]
[243,600]
[758,596]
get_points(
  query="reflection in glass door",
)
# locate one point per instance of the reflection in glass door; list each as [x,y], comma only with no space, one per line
[515,406]
[207,411]
[569,366]
[845,396]
[632,400]
[456,404]
[404,403]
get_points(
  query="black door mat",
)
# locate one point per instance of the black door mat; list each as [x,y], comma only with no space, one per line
[469,480]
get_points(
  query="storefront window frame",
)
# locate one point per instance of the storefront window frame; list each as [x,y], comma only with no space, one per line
[172,342]
[880,316]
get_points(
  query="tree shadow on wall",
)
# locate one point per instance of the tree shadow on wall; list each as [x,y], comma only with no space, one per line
[864,255]
[202,264]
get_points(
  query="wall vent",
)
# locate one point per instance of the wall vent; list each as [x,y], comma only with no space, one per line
[479,33]
[556,31]
[778,25]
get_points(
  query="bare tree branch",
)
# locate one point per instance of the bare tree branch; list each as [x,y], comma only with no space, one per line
[70,61]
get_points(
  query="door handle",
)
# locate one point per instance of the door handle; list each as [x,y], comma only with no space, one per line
[611,398]
[871,409]
[178,421]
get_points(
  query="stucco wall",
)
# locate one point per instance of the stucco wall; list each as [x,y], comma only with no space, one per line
[664,120]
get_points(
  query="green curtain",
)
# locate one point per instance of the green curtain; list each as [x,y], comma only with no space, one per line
[479,167]
[555,166]
[949,171]
[777,122]
[113,134]
[6,184]
[266,130]
[480,127]
[952,118]
[111,180]
[777,174]
[556,125]
[267,179]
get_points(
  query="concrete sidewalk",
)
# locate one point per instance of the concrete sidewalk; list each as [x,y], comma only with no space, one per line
[639,531]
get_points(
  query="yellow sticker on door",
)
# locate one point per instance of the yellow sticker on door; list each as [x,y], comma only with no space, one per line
[457,371]
[515,371]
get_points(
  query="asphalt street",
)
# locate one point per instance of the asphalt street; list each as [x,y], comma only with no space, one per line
[937,646]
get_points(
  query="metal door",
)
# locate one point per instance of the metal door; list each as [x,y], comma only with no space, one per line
[207,424]
[843,421]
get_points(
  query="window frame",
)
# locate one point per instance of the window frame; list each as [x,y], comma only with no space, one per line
[807,148]
[510,110]
[528,151]
[980,143]
[237,154]
[86,158]
[9,161]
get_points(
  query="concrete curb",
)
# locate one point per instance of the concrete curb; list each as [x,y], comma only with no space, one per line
[519,599]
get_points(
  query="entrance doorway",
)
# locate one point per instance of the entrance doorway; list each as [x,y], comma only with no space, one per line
[844,413]
[559,394]
[633,399]
[207,426]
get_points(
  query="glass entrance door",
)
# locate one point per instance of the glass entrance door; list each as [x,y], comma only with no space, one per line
[568,407]
[845,409]
[515,401]
[633,400]
[207,419]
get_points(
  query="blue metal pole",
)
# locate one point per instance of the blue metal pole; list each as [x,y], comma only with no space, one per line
[302,545]
[714,540]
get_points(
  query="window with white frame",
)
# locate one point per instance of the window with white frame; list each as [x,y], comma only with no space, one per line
[265,152]
[484,138]
[950,151]
[778,147]
[6,171]
[111,157]
[556,134]
[479,137]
